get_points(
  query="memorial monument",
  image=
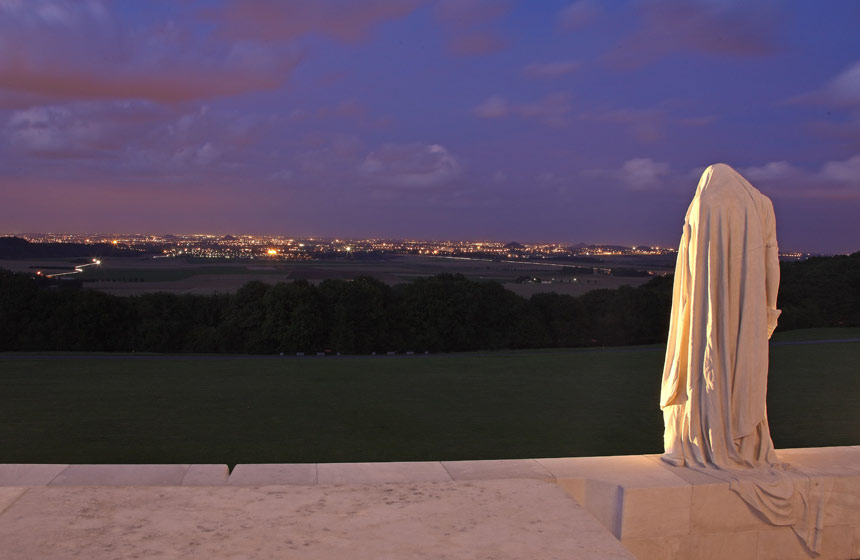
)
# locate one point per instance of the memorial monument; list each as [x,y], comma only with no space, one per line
[714,386]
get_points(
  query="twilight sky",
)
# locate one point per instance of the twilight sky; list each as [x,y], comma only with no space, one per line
[476,119]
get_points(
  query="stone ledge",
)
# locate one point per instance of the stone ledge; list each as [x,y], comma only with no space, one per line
[25,475]
[28,474]
[206,475]
[264,474]
[121,475]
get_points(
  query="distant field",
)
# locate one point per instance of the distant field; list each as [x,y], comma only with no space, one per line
[135,275]
[239,409]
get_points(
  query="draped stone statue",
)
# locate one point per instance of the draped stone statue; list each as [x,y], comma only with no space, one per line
[714,387]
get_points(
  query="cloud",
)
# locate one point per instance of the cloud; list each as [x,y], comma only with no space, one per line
[702,120]
[51,131]
[578,15]
[125,141]
[645,125]
[52,12]
[79,130]
[493,107]
[552,69]
[773,171]
[551,110]
[470,12]
[843,91]
[347,109]
[80,51]
[847,172]
[640,174]
[844,129]
[282,176]
[410,166]
[476,43]
[284,20]
[471,25]
[733,29]
[835,180]
[832,180]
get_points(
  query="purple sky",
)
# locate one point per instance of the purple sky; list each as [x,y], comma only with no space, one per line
[475,119]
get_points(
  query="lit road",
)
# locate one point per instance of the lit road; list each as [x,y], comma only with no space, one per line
[79,268]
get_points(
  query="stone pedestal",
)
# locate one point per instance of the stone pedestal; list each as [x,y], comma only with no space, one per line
[662,512]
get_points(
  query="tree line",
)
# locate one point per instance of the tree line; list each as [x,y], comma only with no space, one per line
[444,313]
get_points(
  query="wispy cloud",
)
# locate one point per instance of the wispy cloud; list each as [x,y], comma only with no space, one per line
[638,174]
[470,12]
[734,29]
[471,25]
[79,51]
[551,110]
[281,20]
[494,107]
[578,15]
[701,120]
[552,69]
[410,166]
[837,179]
[843,91]
[644,125]
[476,43]
[772,171]
[641,174]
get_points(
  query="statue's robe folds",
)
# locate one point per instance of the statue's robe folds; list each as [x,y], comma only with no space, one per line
[714,387]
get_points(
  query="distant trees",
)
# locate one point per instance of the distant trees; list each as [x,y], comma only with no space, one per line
[18,248]
[443,313]
[820,292]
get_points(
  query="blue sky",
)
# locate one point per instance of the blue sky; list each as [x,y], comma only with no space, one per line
[477,119]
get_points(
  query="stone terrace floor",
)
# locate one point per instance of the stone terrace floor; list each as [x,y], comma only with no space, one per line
[570,508]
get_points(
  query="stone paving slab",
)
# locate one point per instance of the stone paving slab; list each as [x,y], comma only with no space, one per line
[28,475]
[121,475]
[8,495]
[499,519]
[498,469]
[365,473]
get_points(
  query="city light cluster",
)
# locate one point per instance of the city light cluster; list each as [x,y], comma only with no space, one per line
[209,246]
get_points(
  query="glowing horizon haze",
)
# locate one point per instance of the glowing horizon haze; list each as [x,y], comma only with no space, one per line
[566,121]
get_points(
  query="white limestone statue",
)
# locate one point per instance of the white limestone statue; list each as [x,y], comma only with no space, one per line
[714,388]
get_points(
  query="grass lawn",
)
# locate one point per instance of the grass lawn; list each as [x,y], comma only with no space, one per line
[201,409]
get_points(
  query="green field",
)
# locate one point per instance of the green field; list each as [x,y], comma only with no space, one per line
[165,409]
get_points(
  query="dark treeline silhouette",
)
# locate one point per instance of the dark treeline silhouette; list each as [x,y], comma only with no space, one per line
[441,313]
[820,292]
[19,248]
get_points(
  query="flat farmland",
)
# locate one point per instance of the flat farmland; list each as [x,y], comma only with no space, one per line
[131,276]
[246,409]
